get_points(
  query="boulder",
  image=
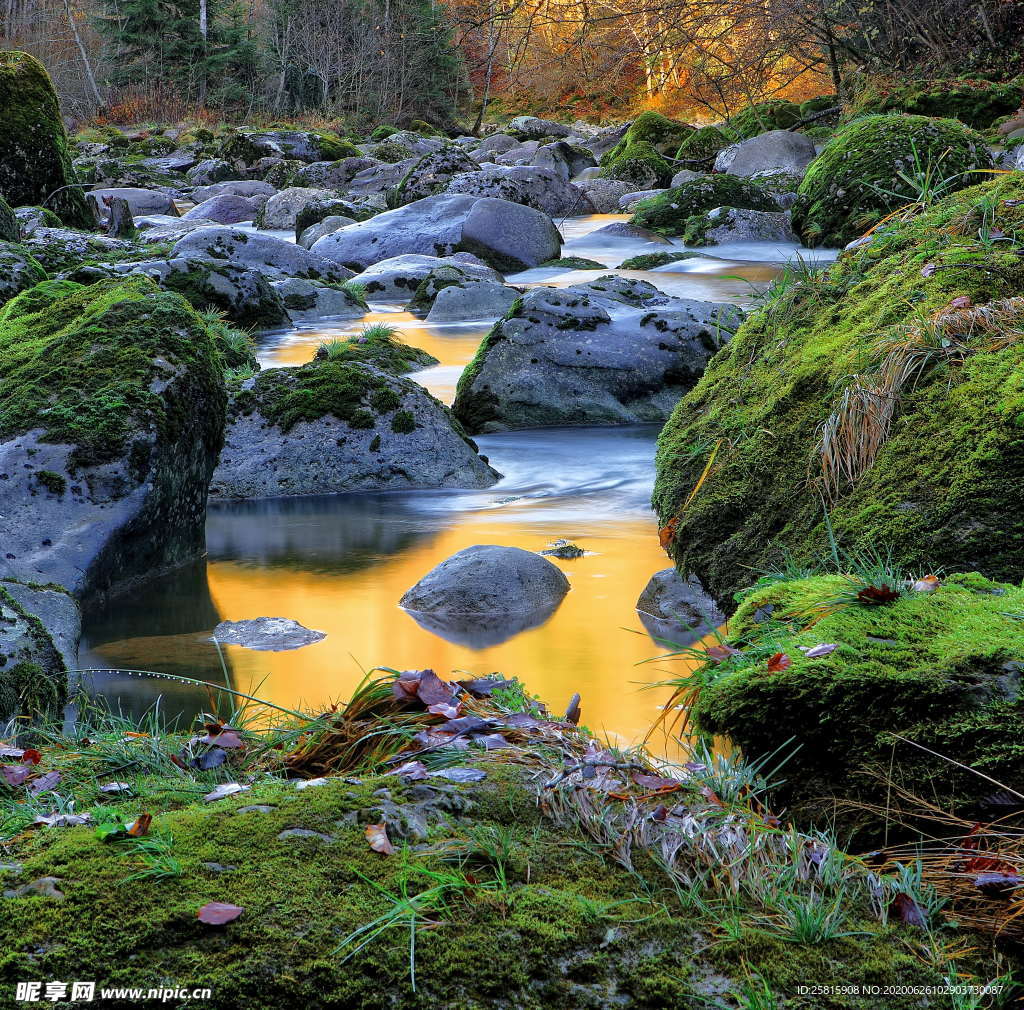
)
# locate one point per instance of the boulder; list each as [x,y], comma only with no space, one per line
[670,212]
[248,147]
[496,143]
[38,647]
[727,224]
[484,594]
[629,200]
[604,194]
[35,163]
[267,634]
[140,201]
[396,279]
[376,178]
[112,407]
[858,179]
[255,251]
[210,171]
[677,610]
[281,210]
[540,188]
[613,351]
[507,236]
[236,187]
[10,226]
[431,174]
[334,426]
[225,209]
[777,151]
[312,300]
[328,226]
[30,218]
[532,128]
[19,270]
[332,175]
[471,299]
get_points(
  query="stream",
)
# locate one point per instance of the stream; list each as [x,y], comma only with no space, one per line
[340,563]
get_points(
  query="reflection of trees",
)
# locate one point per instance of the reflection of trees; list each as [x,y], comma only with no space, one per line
[334,534]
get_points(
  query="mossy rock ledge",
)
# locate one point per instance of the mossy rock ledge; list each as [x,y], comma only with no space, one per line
[111,416]
[939,668]
[35,162]
[671,211]
[939,491]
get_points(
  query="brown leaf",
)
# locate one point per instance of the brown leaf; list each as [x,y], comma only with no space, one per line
[15,775]
[377,836]
[907,910]
[482,687]
[926,585]
[655,782]
[32,756]
[448,711]
[44,783]
[414,771]
[223,790]
[961,302]
[719,653]
[780,661]
[433,690]
[62,820]
[667,533]
[140,826]
[998,885]
[878,594]
[227,739]
[572,713]
[217,913]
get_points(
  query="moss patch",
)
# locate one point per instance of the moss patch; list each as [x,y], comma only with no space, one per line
[775,114]
[651,128]
[35,299]
[669,212]
[640,165]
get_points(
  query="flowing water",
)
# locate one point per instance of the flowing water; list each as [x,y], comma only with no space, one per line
[340,563]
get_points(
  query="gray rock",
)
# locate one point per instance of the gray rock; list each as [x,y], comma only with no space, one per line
[472,299]
[729,224]
[613,351]
[141,201]
[496,143]
[540,188]
[685,176]
[485,594]
[161,228]
[18,269]
[677,610]
[267,634]
[604,194]
[776,151]
[225,209]
[236,187]
[431,174]
[333,175]
[328,226]
[622,232]
[55,248]
[255,251]
[42,887]
[403,438]
[628,201]
[378,177]
[55,610]
[535,129]
[507,236]
[313,300]
[290,833]
[298,145]
[210,170]
[396,279]
[281,210]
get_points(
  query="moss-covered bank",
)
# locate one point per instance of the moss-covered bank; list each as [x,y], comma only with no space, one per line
[743,463]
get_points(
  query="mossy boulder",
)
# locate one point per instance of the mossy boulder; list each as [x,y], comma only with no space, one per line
[10,228]
[775,114]
[703,144]
[431,174]
[114,393]
[35,162]
[977,103]
[36,298]
[937,489]
[669,212]
[640,165]
[384,131]
[663,134]
[941,669]
[870,168]
[19,270]
[379,346]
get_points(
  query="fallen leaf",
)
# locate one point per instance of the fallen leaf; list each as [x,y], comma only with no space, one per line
[412,770]
[217,913]
[482,687]
[961,302]
[660,813]
[44,783]
[15,775]
[926,585]
[448,711]
[928,269]
[719,653]
[136,736]
[780,661]
[12,752]
[907,910]
[877,594]
[115,787]
[998,885]
[32,756]
[817,651]
[212,758]
[228,739]
[655,782]
[223,790]
[667,533]
[62,820]
[377,836]
[492,741]
[140,826]
[433,690]
[310,783]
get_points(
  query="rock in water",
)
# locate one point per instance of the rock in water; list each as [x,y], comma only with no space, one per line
[506,236]
[111,416]
[677,610]
[613,351]
[777,151]
[267,634]
[336,425]
[38,645]
[485,594]
[35,166]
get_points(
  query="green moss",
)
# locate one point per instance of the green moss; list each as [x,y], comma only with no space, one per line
[977,103]
[85,369]
[648,261]
[392,152]
[10,230]
[858,179]
[640,165]
[378,345]
[55,483]
[669,212]
[403,422]
[940,668]
[703,144]
[35,299]
[818,104]
[384,131]
[651,128]
[33,677]
[333,148]
[35,163]
[775,114]
[937,492]
[574,263]
[19,270]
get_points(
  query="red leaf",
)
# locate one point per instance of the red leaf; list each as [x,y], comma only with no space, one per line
[217,913]
[377,836]
[963,302]
[660,813]
[907,910]
[877,594]
[32,756]
[667,533]
[780,661]
[998,885]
